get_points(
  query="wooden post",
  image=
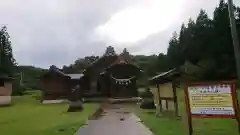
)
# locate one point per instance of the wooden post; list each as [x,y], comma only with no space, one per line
[189,117]
[159,99]
[42,96]
[111,89]
[175,98]
[236,105]
[166,103]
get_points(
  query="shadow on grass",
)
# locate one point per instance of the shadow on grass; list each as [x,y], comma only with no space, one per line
[65,129]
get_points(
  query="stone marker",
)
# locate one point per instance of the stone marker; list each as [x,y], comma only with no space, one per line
[75,100]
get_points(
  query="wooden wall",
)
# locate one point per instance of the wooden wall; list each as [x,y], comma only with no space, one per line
[165,91]
[55,88]
[6,93]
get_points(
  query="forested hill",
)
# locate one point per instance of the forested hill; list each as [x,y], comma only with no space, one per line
[30,76]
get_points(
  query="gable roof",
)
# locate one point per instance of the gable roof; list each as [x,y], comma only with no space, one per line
[167,74]
[54,69]
[108,59]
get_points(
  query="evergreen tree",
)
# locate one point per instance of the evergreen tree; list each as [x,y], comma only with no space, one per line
[206,43]
[7,61]
[224,53]
[186,42]
[173,52]
[110,51]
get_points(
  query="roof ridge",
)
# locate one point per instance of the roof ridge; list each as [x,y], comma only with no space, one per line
[56,69]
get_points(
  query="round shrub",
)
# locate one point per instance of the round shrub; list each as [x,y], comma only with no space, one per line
[147,104]
[146,93]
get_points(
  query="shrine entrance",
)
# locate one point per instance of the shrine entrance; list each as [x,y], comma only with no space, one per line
[123,87]
[119,81]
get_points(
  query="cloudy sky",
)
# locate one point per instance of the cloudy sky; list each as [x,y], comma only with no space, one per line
[57,32]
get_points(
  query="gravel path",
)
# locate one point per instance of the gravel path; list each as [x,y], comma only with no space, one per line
[115,121]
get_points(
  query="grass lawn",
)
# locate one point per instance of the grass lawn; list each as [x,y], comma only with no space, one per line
[28,117]
[171,126]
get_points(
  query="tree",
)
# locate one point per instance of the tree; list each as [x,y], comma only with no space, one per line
[206,43]
[173,52]
[162,63]
[109,51]
[79,65]
[223,42]
[7,61]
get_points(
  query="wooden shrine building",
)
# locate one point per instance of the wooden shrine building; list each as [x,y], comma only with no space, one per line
[164,88]
[112,75]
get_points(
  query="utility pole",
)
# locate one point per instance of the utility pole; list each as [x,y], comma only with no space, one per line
[21,79]
[234,36]
[21,74]
[235,45]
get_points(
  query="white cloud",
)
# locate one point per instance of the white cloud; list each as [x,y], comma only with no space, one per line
[138,22]
[45,32]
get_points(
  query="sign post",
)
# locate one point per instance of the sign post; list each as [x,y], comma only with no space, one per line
[211,100]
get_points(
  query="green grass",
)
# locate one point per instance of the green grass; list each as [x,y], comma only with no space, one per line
[171,126]
[28,117]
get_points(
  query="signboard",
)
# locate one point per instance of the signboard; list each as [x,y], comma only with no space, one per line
[211,100]
[165,95]
[215,99]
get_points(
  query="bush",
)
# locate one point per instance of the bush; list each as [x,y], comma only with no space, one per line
[146,93]
[35,94]
[147,104]
[238,84]
[18,90]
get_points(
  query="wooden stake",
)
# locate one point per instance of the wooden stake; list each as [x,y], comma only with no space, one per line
[188,111]
[159,99]
[175,98]
[236,105]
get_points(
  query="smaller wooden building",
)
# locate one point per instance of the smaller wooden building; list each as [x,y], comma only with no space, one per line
[57,85]
[164,87]
[5,90]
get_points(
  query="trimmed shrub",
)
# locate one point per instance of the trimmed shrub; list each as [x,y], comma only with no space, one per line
[146,93]
[147,104]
